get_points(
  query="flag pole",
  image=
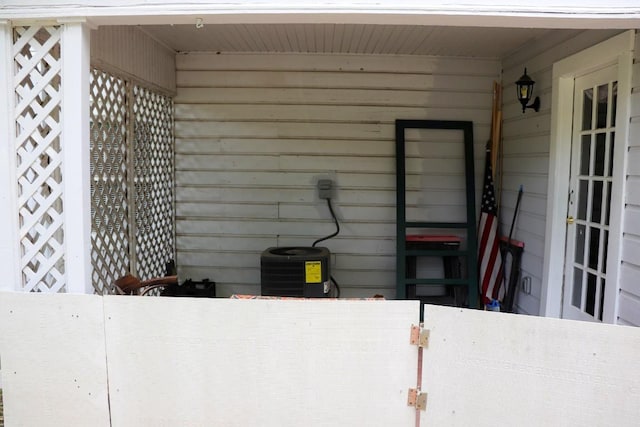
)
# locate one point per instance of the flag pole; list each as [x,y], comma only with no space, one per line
[490,263]
[496,120]
[509,292]
[515,213]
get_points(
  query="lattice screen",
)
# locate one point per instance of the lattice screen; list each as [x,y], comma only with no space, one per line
[153,159]
[37,84]
[132,181]
[110,231]
[131,170]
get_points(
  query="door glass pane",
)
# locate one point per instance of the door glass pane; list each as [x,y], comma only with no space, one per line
[603,99]
[580,235]
[607,207]
[591,294]
[605,248]
[596,202]
[587,107]
[583,186]
[614,102]
[585,155]
[594,245]
[598,169]
[576,296]
[602,283]
[611,146]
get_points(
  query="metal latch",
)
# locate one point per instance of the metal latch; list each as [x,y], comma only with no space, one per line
[419,336]
[417,398]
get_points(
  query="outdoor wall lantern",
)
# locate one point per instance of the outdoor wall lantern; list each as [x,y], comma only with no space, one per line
[524,86]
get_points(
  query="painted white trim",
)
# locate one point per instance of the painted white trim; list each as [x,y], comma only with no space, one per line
[615,50]
[625,74]
[512,13]
[75,53]
[9,245]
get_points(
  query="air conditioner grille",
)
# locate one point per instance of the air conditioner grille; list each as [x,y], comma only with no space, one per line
[295,271]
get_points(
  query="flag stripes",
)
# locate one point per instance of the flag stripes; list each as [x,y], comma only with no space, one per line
[489,256]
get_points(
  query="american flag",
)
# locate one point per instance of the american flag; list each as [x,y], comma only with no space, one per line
[489,257]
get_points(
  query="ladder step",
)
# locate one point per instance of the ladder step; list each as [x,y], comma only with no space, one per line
[446,282]
[437,225]
[435,252]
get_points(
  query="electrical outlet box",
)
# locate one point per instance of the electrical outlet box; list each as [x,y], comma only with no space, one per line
[325,188]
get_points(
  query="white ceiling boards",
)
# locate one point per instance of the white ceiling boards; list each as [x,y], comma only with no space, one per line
[345,39]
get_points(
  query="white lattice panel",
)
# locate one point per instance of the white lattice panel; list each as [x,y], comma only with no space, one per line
[37,85]
[110,232]
[131,149]
[153,160]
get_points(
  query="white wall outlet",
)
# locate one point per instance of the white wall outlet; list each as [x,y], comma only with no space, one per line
[526,285]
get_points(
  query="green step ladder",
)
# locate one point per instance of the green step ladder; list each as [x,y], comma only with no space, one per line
[471,251]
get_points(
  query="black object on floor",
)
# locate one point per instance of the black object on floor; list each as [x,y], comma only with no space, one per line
[190,288]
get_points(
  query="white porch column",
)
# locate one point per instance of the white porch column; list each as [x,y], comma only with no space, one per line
[9,245]
[75,54]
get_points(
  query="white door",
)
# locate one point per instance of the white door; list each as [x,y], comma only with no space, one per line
[589,200]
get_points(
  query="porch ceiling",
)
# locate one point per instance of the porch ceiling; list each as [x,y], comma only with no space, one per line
[485,42]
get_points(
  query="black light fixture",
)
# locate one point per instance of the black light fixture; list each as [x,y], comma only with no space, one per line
[524,86]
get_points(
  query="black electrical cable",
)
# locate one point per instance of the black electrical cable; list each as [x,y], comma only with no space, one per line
[337,226]
[334,234]
[335,284]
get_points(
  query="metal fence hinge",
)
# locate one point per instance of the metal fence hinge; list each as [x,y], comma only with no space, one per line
[419,336]
[417,398]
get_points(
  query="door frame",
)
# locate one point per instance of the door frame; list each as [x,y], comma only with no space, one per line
[617,50]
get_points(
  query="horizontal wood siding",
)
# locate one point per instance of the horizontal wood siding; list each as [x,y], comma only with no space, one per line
[128,51]
[255,132]
[629,302]
[526,149]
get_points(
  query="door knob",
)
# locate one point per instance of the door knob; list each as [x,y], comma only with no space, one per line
[570,220]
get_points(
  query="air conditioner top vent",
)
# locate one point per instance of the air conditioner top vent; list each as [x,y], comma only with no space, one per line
[297,251]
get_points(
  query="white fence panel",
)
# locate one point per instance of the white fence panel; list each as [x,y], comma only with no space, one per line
[487,369]
[227,362]
[52,350]
[260,362]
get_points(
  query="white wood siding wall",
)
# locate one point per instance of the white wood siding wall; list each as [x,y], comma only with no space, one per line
[254,132]
[526,149]
[130,52]
[629,300]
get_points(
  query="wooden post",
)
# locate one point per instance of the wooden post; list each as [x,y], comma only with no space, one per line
[75,56]
[9,247]
[496,127]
